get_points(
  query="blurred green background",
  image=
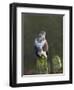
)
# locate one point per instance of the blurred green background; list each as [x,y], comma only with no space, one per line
[32,24]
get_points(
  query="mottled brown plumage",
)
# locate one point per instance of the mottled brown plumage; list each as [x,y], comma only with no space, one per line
[45,47]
